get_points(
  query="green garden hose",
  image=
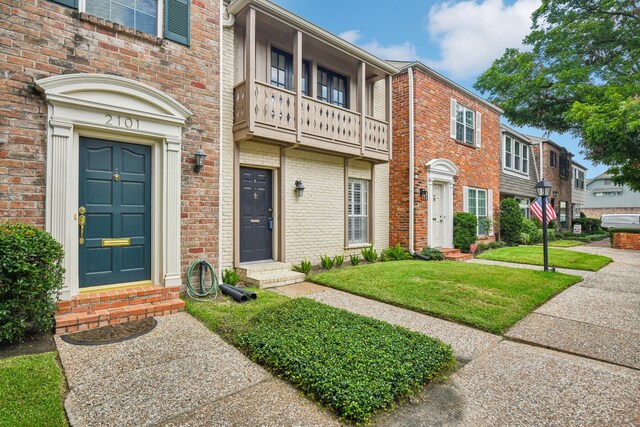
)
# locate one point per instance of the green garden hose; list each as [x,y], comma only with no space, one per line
[203,292]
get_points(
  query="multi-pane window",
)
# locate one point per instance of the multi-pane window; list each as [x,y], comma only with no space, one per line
[607,193]
[358,203]
[516,155]
[139,14]
[564,166]
[553,159]
[282,70]
[332,87]
[525,205]
[579,179]
[465,124]
[563,214]
[477,199]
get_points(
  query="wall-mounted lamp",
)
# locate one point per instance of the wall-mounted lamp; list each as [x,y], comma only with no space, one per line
[555,194]
[423,193]
[299,188]
[200,156]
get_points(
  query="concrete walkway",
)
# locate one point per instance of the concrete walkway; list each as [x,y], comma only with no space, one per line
[179,374]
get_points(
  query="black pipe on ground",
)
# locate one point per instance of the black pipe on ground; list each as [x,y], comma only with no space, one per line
[234,293]
[248,293]
[418,255]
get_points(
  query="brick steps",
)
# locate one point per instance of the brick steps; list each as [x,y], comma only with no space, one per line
[104,308]
[455,255]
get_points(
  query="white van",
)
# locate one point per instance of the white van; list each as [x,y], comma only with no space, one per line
[621,220]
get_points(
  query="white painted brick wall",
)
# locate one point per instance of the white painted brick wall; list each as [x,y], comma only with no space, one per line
[226,115]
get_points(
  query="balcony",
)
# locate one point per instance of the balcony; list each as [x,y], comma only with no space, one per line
[268,113]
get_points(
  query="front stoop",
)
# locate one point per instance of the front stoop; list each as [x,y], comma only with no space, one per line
[104,308]
[455,255]
[269,274]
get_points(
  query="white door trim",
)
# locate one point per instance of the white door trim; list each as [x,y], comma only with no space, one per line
[443,172]
[118,109]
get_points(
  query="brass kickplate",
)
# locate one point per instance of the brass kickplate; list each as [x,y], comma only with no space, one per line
[116,242]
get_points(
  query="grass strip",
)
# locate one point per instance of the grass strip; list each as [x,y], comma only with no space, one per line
[558,258]
[31,390]
[492,298]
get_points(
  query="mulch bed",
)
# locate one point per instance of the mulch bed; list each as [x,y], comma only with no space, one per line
[32,344]
[111,334]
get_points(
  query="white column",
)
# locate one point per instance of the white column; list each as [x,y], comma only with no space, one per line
[60,207]
[171,222]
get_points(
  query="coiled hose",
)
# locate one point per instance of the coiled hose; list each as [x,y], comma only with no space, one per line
[203,292]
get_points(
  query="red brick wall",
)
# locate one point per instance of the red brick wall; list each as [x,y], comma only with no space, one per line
[626,241]
[552,174]
[40,39]
[598,212]
[478,167]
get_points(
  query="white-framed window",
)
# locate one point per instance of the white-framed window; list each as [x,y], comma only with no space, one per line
[466,124]
[607,193]
[525,204]
[358,214]
[477,205]
[139,14]
[516,155]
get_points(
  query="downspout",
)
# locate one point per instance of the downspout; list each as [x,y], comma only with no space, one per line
[228,19]
[411,161]
[541,162]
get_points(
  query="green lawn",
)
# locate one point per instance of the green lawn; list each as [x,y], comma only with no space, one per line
[557,257]
[31,391]
[352,364]
[488,297]
[564,243]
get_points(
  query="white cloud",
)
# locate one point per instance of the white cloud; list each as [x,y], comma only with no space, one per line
[471,35]
[403,52]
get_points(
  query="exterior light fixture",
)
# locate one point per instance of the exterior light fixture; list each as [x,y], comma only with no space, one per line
[423,193]
[299,188]
[543,189]
[200,155]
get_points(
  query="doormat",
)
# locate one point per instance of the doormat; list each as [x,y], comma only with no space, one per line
[112,333]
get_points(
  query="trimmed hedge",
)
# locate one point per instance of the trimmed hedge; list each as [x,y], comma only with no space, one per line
[353,364]
[510,222]
[623,230]
[589,225]
[31,275]
[465,230]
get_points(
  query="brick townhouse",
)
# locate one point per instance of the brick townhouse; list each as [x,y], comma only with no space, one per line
[446,158]
[103,106]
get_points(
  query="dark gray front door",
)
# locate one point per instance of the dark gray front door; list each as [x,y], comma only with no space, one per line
[256,214]
[115,205]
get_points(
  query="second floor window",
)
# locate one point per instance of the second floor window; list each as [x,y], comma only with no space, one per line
[282,70]
[553,159]
[140,14]
[579,179]
[516,155]
[465,124]
[564,166]
[332,87]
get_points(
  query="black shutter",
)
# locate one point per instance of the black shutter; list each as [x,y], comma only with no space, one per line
[70,3]
[177,20]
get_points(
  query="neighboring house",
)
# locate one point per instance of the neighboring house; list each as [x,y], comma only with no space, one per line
[578,192]
[446,158]
[519,170]
[301,107]
[605,197]
[555,166]
[101,115]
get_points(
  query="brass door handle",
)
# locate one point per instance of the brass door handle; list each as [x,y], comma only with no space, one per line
[82,220]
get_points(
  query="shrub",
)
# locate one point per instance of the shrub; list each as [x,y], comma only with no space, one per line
[483,247]
[497,244]
[434,254]
[510,221]
[230,277]
[465,228]
[524,239]
[338,260]
[355,259]
[589,225]
[531,230]
[553,224]
[369,254]
[622,230]
[31,276]
[395,253]
[372,363]
[551,235]
[326,262]
[304,267]
[536,222]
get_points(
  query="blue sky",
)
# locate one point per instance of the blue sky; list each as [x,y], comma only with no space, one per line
[457,38]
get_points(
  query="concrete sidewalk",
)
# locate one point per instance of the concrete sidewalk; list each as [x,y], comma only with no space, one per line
[179,374]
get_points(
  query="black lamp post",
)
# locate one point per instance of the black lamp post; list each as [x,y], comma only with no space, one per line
[543,188]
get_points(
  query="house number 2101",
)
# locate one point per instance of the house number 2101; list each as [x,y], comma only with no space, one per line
[120,121]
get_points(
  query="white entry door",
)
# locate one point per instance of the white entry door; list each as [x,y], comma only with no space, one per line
[437,215]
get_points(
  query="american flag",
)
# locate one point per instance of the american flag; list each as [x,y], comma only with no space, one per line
[536,209]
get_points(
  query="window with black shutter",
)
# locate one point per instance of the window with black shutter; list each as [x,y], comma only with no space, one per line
[176,21]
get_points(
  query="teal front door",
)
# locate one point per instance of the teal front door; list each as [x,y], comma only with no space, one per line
[114,212]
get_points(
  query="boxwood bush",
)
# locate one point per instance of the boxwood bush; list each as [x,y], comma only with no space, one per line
[353,364]
[531,230]
[465,229]
[31,276]
[510,221]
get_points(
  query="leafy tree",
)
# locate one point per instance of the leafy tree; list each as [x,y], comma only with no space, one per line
[579,73]
[510,221]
